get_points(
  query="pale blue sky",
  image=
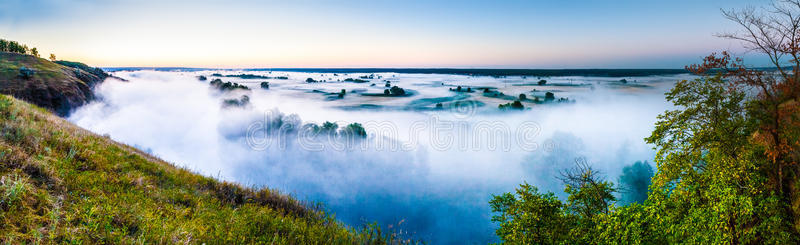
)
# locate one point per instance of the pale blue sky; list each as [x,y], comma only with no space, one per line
[494,34]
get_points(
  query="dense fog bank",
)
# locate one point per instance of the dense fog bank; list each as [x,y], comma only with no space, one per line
[429,173]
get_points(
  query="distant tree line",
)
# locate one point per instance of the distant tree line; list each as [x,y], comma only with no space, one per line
[353,130]
[226,86]
[15,47]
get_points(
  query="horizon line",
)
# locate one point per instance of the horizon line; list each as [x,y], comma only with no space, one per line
[605,72]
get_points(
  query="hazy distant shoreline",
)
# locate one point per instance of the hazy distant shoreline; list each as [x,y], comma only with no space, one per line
[454,71]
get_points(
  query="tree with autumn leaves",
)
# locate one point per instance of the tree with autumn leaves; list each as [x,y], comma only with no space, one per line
[727,158]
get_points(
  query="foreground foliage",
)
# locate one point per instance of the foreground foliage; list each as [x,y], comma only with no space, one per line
[717,182]
[727,159]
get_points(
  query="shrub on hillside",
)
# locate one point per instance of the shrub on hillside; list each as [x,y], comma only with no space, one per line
[81,66]
[25,72]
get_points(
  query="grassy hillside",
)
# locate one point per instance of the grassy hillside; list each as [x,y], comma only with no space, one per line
[60,183]
[59,87]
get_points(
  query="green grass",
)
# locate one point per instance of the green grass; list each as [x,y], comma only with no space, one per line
[11,62]
[62,184]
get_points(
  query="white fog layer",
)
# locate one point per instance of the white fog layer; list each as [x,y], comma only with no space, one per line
[426,169]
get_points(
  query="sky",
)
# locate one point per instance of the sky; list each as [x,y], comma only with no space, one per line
[414,33]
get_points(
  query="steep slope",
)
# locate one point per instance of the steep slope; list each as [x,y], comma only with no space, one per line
[60,183]
[59,87]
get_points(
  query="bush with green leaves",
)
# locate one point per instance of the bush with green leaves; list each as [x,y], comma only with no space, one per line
[531,217]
